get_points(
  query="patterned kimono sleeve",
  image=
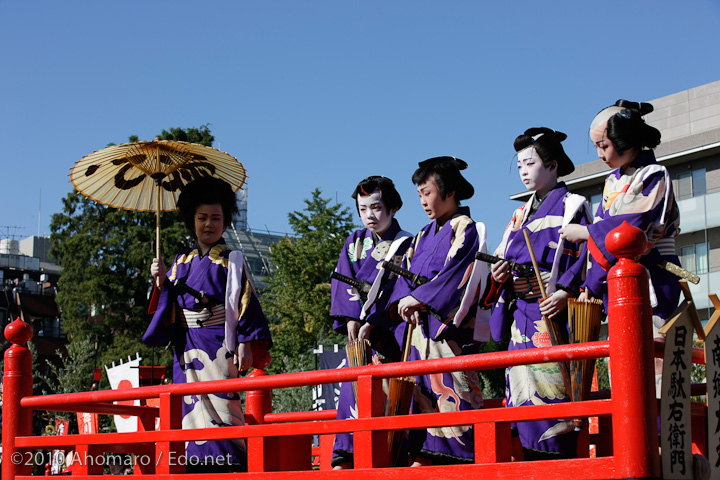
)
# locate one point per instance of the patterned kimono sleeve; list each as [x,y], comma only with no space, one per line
[573,260]
[641,204]
[252,324]
[443,293]
[345,302]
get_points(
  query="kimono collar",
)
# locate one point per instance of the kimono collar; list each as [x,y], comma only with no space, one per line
[537,203]
[392,231]
[644,158]
[196,248]
[461,211]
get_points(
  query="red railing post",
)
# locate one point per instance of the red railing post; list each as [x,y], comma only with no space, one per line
[493,442]
[635,433]
[17,383]
[257,404]
[371,448]
[263,451]
[169,456]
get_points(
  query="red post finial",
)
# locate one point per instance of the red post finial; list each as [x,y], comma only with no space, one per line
[17,383]
[18,332]
[626,241]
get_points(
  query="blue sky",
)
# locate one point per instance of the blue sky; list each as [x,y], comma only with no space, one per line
[324,93]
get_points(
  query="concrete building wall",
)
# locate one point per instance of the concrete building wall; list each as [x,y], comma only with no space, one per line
[36,247]
[687,113]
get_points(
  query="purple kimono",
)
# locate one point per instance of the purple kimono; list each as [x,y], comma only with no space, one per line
[517,310]
[361,259]
[641,195]
[446,256]
[205,341]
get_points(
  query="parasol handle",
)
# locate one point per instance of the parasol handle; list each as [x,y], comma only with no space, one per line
[534,262]
[157,235]
[408,342]
[157,243]
[157,213]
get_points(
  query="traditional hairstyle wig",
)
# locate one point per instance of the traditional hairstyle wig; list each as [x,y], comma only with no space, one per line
[445,171]
[390,196]
[206,191]
[547,144]
[626,128]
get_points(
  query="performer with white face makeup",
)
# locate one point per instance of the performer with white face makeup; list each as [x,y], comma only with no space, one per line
[377,201]
[518,309]
[374,214]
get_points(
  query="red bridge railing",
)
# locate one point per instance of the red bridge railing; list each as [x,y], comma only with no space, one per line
[279,444]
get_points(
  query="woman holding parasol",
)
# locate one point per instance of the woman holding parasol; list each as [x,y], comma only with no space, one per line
[206,305]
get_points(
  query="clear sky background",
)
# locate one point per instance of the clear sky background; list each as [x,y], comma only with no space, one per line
[324,93]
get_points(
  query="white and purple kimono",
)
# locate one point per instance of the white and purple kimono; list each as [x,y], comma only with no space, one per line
[641,195]
[517,312]
[446,256]
[361,259]
[206,340]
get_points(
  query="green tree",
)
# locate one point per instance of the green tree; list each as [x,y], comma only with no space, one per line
[75,372]
[105,254]
[297,301]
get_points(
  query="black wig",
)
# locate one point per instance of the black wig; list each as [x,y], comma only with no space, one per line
[627,129]
[206,191]
[390,196]
[445,171]
[548,146]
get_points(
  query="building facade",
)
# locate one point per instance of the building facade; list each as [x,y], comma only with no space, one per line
[255,247]
[28,285]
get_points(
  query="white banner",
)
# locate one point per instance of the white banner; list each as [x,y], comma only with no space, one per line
[125,375]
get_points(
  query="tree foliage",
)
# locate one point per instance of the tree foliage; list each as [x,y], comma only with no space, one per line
[106,254]
[297,301]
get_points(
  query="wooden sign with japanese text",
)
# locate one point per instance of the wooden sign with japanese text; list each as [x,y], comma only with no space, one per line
[675,420]
[712,374]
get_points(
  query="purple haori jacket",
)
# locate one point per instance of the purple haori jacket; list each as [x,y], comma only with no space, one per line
[566,271]
[641,195]
[447,257]
[361,259]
